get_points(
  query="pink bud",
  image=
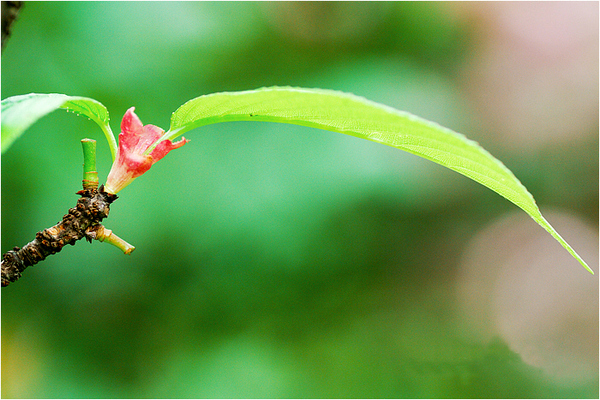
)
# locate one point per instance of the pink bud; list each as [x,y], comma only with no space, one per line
[131,161]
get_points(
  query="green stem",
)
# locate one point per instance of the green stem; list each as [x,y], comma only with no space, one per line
[99,232]
[168,135]
[90,175]
[112,143]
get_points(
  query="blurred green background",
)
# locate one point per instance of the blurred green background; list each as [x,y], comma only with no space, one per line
[282,261]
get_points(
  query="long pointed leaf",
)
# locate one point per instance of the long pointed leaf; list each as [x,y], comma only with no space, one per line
[356,116]
[20,112]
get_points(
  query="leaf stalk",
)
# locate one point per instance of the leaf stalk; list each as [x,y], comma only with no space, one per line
[99,232]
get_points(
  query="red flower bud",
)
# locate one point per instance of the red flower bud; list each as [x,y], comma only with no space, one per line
[131,161]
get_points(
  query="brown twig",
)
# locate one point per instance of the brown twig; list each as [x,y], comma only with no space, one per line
[10,11]
[81,221]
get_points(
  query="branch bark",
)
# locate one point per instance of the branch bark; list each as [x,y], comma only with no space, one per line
[81,221]
[10,11]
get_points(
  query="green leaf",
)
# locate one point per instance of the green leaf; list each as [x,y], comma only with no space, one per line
[357,116]
[20,112]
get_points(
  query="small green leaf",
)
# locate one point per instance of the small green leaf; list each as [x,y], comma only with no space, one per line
[20,112]
[357,116]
